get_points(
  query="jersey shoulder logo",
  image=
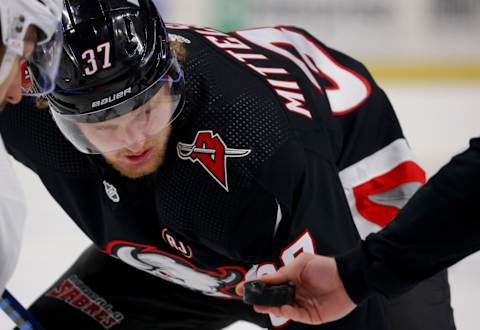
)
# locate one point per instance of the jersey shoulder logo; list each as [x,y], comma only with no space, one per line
[111,192]
[211,152]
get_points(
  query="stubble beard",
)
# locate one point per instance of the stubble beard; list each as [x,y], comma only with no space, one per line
[158,145]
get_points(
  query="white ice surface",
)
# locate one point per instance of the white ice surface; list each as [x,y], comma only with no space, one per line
[437,120]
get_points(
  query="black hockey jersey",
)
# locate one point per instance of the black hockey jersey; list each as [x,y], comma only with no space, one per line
[281,140]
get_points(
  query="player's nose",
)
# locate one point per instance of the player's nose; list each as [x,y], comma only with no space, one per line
[134,139]
[136,147]
[14,91]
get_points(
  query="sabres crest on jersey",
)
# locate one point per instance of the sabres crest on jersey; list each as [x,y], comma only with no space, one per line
[209,150]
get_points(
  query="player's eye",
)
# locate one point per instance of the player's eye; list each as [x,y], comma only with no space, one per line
[143,116]
[104,129]
[148,113]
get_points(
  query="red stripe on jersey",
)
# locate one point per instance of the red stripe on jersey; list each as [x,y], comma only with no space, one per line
[406,172]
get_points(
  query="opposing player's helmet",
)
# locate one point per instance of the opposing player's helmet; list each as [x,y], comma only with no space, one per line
[117,74]
[16,17]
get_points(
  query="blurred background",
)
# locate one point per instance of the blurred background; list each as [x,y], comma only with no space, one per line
[408,39]
[424,53]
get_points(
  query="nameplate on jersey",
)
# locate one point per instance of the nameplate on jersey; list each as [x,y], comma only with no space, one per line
[273,52]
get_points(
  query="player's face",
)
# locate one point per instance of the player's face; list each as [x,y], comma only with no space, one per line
[11,87]
[144,144]
[140,160]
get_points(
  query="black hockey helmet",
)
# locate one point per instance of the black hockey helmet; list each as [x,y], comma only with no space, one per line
[117,73]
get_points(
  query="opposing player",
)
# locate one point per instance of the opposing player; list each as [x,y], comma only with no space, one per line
[221,160]
[29,32]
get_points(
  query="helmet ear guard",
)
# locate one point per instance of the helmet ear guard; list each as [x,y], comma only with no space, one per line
[116,62]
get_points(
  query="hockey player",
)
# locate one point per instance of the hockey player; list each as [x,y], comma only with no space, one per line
[219,161]
[28,30]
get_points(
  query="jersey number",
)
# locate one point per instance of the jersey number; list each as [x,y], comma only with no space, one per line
[302,244]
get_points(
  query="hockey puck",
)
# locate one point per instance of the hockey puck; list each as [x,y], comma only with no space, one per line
[259,293]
